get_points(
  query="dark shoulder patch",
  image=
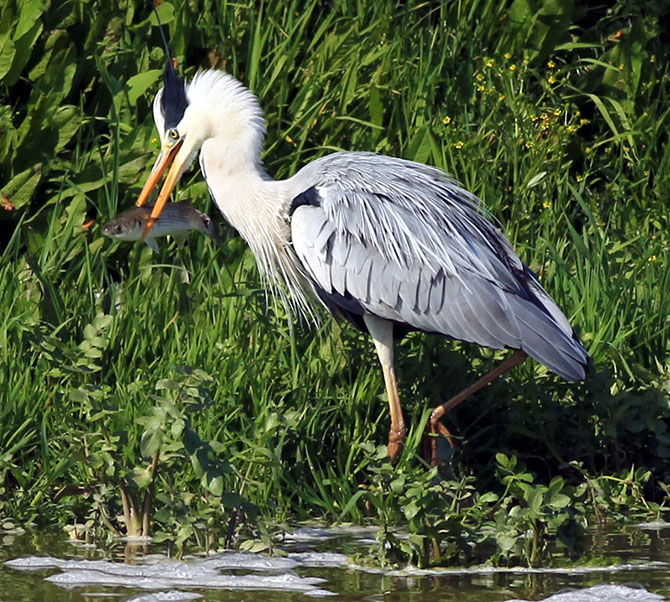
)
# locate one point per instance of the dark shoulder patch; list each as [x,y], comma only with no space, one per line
[173,99]
[310,197]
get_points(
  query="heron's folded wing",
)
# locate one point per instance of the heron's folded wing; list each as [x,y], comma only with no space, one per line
[404,242]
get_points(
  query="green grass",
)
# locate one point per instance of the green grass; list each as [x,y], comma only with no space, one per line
[563,135]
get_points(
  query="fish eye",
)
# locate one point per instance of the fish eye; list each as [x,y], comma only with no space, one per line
[173,134]
[138,223]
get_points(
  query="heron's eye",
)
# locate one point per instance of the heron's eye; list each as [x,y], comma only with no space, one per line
[173,134]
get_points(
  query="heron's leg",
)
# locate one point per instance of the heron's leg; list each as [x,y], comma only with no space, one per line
[382,334]
[517,358]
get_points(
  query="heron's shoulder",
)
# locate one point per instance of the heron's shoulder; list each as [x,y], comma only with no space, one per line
[350,165]
[346,179]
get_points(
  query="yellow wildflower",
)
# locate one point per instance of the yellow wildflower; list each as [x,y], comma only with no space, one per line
[551,79]
[551,64]
[459,144]
[512,67]
[446,120]
[508,55]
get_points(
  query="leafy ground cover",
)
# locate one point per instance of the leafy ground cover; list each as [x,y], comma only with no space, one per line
[131,397]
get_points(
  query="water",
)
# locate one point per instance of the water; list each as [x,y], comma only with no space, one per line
[45,566]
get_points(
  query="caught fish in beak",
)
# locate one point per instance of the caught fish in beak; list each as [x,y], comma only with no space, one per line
[177,220]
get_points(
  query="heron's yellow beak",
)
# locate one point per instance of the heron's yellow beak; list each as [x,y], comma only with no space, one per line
[157,172]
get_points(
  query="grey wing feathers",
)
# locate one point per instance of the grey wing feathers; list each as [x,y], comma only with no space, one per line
[404,242]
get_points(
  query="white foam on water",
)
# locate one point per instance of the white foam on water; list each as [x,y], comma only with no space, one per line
[330,559]
[248,561]
[655,525]
[603,593]
[170,574]
[183,578]
[172,596]
[411,571]
[136,539]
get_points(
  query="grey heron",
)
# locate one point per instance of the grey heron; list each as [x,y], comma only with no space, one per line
[389,244]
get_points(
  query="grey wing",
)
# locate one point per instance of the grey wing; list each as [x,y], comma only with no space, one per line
[401,241]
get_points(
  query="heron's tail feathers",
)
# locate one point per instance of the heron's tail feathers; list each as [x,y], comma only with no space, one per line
[546,334]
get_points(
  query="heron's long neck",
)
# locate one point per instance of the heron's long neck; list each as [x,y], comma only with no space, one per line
[255,204]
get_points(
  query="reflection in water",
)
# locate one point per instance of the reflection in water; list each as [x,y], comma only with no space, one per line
[315,563]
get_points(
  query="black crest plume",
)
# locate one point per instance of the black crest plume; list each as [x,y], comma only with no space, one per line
[173,99]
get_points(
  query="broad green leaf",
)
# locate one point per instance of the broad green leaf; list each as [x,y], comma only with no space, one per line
[165,14]
[138,84]
[177,427]
[143,477]
[150,442]
[506,542]
[20,189]
[488,498]
[559,500]
[254,546]
[23,47]
[168,384]
[102,321]
[67,121]
[7,52]
[31,11]
[215,485]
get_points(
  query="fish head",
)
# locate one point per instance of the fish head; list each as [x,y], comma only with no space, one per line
[126,226]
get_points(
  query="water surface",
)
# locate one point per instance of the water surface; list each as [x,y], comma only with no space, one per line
[45,566]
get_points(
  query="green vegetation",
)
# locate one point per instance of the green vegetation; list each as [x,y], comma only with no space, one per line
[127,392]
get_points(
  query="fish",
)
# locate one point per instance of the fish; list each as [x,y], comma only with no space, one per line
[177,219]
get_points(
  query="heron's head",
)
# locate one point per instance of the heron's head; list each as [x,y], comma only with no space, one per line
[213,106]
